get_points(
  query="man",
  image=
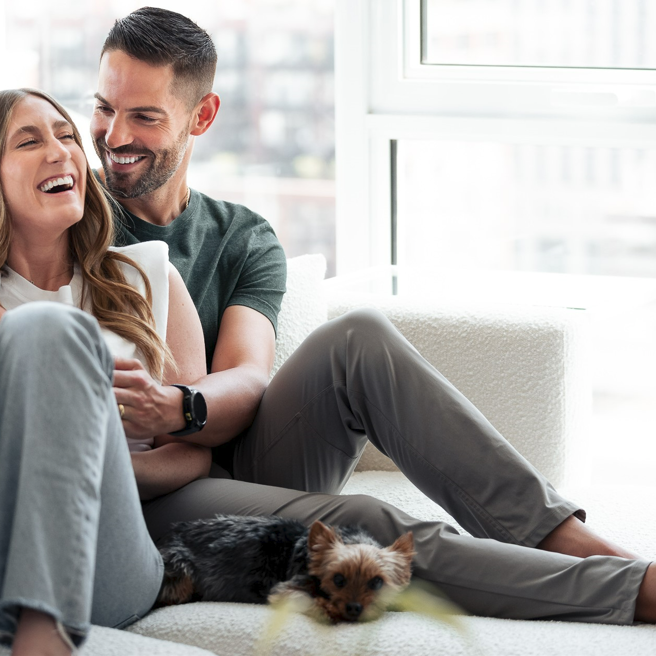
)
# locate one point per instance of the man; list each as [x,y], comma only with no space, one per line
[305,433]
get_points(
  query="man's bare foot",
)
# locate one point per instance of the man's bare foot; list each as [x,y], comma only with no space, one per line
[646,602]
[573,537]
[37,635]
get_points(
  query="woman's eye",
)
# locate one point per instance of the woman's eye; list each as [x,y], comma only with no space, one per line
[29,142]
[68,136]
[339,580]
[376,583]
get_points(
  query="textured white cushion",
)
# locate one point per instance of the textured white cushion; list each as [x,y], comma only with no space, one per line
[303,306]
[112,642]
[237,629]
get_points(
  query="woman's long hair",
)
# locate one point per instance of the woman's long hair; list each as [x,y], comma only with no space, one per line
[118,306]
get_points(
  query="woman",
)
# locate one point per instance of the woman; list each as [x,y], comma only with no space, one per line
[66,478]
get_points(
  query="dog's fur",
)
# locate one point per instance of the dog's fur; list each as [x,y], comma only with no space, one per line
[344,571]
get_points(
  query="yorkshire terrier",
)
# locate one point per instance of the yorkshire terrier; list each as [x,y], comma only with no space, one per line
[333,573]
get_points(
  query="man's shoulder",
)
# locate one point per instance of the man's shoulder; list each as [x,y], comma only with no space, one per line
[226,212]
[238,226]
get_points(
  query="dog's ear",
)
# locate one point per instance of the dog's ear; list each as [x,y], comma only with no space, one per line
[399,560]
[405,545]
[321,537]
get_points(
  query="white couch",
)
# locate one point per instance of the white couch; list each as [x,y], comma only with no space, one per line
[525,368]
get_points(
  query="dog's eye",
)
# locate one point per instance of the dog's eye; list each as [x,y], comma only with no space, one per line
[339,580]
[376,583]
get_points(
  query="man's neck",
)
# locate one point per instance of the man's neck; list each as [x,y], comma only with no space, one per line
[160,207]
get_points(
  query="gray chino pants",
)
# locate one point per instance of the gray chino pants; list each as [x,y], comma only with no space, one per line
[73,541]
[357,378]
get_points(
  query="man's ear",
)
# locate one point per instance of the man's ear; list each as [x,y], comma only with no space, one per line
[205,113]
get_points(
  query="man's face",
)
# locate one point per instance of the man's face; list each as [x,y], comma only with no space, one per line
[139,127]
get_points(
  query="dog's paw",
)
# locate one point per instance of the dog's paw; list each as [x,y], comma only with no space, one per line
[289,597]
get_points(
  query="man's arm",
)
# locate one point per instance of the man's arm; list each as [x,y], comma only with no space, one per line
[242,362]
[241,366]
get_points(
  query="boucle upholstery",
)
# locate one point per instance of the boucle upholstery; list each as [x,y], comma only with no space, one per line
[303,306]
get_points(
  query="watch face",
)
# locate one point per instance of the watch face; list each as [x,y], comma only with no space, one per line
[199,407]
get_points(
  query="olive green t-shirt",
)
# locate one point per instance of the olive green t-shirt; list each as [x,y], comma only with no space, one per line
[226,255]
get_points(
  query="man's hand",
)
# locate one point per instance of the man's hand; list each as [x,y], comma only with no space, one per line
[150,408]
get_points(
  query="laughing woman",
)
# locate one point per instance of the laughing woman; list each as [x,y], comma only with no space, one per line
[74,548]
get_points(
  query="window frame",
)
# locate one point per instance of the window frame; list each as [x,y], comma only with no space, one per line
[384,92]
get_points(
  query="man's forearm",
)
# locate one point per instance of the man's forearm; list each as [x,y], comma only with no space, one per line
[169,468]
[233,397]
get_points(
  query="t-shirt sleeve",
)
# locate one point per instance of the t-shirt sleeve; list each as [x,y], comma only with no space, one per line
[261,284]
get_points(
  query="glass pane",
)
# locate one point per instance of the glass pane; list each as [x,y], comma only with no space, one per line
[529,207]
[272,145]
[567,33]
[467,206]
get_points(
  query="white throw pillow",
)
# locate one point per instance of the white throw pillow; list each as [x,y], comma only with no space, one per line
[303,306]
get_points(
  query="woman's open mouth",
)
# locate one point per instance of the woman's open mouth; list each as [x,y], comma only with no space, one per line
[57,185]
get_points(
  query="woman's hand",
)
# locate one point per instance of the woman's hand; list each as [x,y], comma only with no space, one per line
[149,408]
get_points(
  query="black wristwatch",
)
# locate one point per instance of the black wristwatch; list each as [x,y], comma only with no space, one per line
[194,409]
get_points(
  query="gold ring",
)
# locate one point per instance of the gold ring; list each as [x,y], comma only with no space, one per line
[121,409]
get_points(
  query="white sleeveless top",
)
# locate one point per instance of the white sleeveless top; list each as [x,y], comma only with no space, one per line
[152,256]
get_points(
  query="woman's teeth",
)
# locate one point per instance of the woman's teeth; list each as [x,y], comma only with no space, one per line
[65,181]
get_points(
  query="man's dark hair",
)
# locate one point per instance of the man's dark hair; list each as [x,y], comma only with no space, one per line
[160,37]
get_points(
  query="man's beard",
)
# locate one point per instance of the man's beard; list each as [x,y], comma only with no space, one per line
[163,164]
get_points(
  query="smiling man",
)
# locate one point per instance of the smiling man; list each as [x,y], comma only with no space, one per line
[153,99]
[354,379]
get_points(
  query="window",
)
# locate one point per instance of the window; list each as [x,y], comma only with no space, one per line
[576,33]
[272,146]
[508,136]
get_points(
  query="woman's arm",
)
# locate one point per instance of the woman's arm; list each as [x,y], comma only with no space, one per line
[169,467]
[173,463]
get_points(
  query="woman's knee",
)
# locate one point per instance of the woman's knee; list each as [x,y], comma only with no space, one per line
[41,325]
[41,318]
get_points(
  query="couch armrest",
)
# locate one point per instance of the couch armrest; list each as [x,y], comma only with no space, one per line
[523,367]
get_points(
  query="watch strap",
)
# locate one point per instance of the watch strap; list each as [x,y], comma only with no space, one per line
[193,423]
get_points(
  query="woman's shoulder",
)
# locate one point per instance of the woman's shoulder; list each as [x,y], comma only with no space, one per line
[145,252]
[153,258]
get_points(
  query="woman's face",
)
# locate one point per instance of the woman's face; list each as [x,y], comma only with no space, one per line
[43,170]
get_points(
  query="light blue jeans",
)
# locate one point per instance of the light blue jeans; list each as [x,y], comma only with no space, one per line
[73,541]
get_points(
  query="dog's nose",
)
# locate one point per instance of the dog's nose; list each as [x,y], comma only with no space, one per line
[353,610]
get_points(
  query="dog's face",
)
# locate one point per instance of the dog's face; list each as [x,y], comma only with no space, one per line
[359,580]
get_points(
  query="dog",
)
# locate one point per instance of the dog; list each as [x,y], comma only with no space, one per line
[333,573]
